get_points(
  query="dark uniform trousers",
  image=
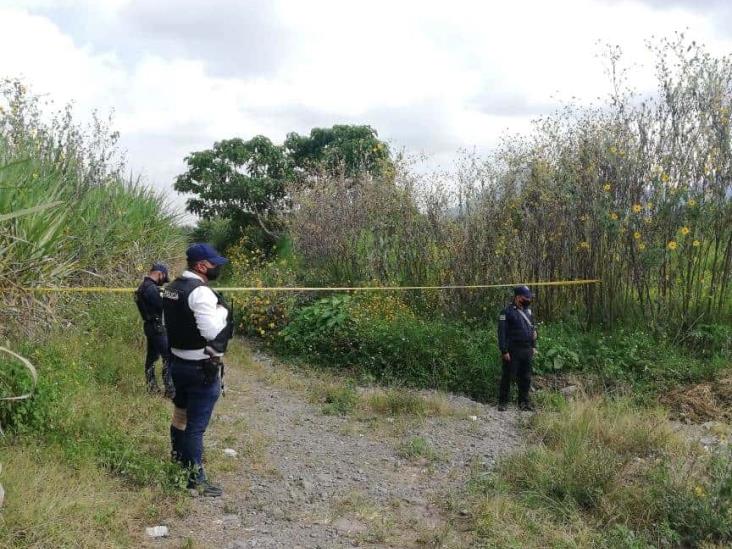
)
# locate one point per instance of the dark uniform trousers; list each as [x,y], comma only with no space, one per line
[157,347]
[519,368]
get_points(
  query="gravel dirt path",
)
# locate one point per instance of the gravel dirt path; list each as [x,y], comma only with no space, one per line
[301,478]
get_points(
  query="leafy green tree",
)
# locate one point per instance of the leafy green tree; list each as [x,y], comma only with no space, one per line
[244,181]
[347,150]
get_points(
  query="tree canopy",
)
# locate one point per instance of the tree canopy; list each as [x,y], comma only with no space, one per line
[246,182]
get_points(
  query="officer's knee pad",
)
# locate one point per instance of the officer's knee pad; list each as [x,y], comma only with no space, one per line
[180,418]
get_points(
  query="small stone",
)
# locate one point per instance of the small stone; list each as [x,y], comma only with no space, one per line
[569,390]
[157,531]
[230,452]
[231,518]
[708,441]
[473,418]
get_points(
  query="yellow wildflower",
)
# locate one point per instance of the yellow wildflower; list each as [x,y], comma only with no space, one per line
[637,208]
[642,246]
[699,490]
[649,206]
[665,177]
[684,230]
[613,216]
[691,202]
[584,245]
[607,187]
[696,243]
[672,245]
[636,235]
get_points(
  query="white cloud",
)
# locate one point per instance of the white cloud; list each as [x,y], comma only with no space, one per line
[429,75]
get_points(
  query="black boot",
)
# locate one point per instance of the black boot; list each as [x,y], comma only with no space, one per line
[177,440]
[198,482]
[526,406]
[168,382]
[152,383]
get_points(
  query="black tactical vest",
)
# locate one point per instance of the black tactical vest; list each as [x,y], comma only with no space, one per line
[179,318]
[147,311]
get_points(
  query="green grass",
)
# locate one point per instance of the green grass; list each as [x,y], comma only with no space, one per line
[397,402]
[337,399]
[605,473]
[416,448]
[86,460]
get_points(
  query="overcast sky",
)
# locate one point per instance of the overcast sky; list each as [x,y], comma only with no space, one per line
[430,76]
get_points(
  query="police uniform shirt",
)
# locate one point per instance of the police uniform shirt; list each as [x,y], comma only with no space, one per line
[210,318]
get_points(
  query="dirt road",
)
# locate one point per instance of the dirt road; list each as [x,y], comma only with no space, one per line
[301,478]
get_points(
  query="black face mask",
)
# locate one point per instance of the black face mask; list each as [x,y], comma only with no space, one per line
[213,274]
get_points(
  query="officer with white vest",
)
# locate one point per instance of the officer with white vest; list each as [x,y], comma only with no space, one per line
[199,326]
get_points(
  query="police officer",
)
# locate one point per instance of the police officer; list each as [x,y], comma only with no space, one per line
[150,304]
[199,327]
[517,342]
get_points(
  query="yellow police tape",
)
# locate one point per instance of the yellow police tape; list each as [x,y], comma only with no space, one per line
[102,289]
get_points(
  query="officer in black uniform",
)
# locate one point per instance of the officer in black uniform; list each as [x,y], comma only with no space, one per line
[199,327]
[150,304]
[517,342]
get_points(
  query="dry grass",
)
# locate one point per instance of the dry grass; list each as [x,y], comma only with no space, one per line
[50,504]
[702,402]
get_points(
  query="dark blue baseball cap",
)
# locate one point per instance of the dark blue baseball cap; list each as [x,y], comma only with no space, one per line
[162,267]
[205,252]
[523,291]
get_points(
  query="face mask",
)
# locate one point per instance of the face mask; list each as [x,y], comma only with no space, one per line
[213,274]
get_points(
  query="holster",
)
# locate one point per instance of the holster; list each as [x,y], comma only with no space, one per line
[211,368]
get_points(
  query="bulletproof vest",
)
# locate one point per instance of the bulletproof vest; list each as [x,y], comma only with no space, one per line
[148,313]
[179,318]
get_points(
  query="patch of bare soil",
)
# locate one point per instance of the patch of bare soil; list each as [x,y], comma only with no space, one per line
[304,479]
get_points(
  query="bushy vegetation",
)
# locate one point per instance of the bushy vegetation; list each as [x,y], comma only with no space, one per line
[85,460]
[67,215]
[605,474]
[634,193]
[90,445]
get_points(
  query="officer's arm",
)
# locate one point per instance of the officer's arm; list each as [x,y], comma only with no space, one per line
[210,319]
[502,333]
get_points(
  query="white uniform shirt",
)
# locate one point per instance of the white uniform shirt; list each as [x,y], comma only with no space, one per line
[210,318]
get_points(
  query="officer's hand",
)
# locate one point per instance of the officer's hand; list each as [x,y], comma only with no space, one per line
[506,357]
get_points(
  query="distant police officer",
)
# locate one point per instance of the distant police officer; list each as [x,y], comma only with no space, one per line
[199,327]
[517,342]
[150,304]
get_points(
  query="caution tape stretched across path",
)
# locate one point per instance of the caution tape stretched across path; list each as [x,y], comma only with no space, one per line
[102,289]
